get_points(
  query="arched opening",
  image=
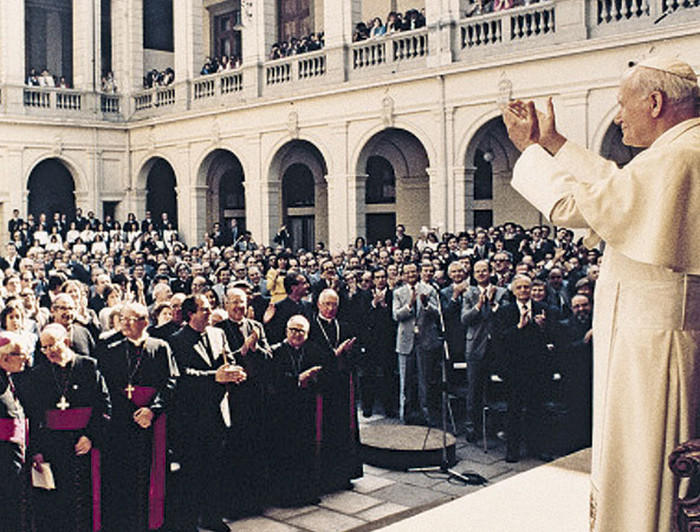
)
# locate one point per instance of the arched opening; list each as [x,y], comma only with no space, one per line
[223,174]
[613,149]
[489,198]
[298,193]
[298,201]
[51,189]
[161,196]
[397,188]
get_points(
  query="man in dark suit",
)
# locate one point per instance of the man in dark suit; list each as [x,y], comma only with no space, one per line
[576,360]
[204,414]
[480,303]
[15,223]
[523,331]
[276,317]
[402,240]
[379,365]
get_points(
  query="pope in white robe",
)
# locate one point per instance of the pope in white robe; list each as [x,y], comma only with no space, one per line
[647,300]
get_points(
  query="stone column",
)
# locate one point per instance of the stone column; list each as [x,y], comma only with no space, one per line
[188,38]
[459,180]
[271,219]
[571,21]
[338,204]
[339,20]
[573,115]
[438,198]
[12,43]
[356,206]
[12,51]
[469,196]
[127,45]
[192,212]
[441,20]
[259,32]
[86,45]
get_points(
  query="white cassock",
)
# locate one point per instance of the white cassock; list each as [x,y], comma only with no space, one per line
[647,311]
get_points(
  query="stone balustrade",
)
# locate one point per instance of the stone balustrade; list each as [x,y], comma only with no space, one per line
[534,26]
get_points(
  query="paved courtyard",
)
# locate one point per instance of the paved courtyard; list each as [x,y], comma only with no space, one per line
[383,496]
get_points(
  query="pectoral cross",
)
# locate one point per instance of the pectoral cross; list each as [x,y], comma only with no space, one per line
[130,390]
[62,404]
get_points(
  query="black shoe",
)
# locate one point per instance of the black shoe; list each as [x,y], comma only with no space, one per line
[216,526]
[367,413]
[511,458]
[471,435]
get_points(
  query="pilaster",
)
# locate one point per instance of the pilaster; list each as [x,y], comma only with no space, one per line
[459,180]
[12,42]
[127,45]
[191,209]
[258,33]
[438,197]
[339,20]
[188,38]
[86,45]
[441,20]
[469,173]
[572,114]
[271,195]
[338,227]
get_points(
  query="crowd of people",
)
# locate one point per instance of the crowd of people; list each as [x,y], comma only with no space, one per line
[481,7]
[46,79]
[297,45]
[410,20]
[158,78]
[214,65]
[257,355]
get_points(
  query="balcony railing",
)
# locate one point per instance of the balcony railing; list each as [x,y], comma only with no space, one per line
[217,84]
[303,67]
[535,26]
[390,50]
[516,25]
[156,97]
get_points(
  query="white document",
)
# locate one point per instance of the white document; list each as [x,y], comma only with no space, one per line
[225,412]
[43,479]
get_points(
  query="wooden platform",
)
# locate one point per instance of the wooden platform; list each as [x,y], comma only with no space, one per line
[405,446]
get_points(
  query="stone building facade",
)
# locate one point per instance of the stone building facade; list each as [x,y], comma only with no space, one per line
[337,143]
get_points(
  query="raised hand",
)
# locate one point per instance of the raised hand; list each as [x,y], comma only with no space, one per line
[522,123]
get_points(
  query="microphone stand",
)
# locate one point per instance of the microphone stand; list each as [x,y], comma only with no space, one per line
[444,466]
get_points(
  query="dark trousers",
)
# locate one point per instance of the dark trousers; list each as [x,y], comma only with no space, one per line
[525,417]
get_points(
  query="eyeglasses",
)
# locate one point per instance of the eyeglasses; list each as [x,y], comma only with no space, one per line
[133,319]
[45,348]
[296,330]
[63,307]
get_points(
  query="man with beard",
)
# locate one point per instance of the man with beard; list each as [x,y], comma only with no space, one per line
[247,341]
[576,352]
[140,372]
[340,434]
[69,408]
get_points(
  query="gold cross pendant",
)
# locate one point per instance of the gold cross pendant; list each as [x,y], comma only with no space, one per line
[63,404]
[130,390]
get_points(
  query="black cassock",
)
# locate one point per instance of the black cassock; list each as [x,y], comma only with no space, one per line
[65,404]
[245,437]
[13,477]
[339,432]
[294,449]
[134,458]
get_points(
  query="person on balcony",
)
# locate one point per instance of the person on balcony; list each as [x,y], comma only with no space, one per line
[378,28]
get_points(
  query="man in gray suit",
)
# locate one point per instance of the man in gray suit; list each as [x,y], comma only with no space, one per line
[415,308]
[479,306]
